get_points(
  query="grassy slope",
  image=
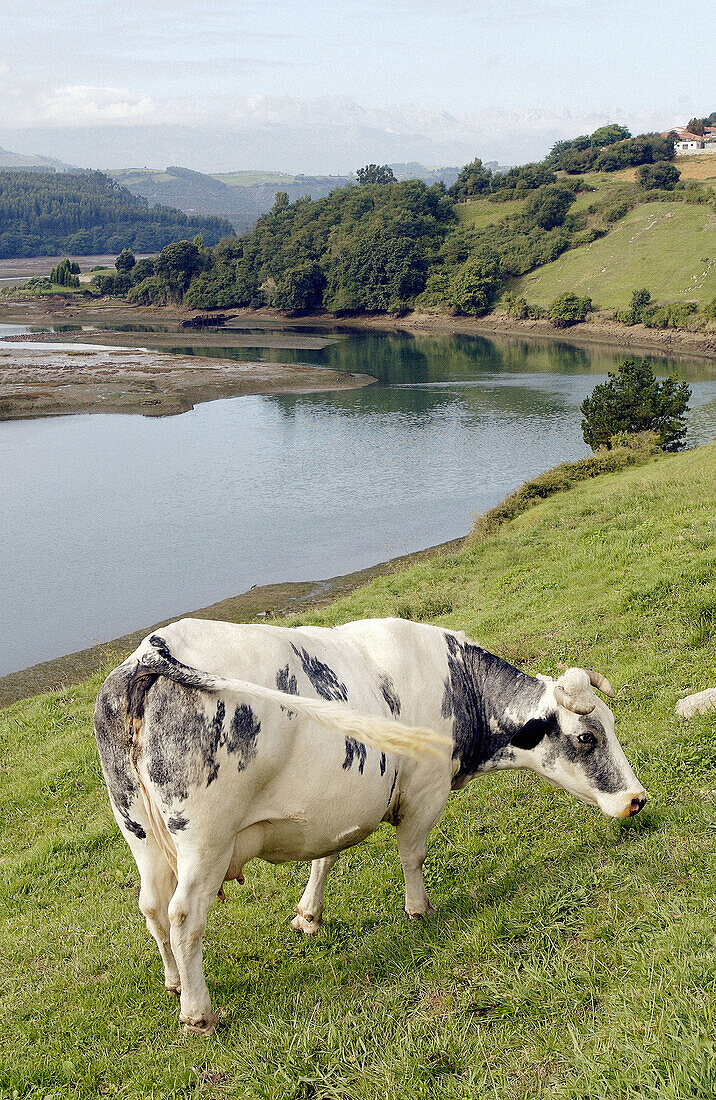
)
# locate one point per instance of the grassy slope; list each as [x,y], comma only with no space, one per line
[668,247]
[572,956]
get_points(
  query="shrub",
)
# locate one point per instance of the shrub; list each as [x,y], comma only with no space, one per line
[474,284]
[632,401]
[548,207]
[569,309]
[660,175]
[674,315]
[151,291]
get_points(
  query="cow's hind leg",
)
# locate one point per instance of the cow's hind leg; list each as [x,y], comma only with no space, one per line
[310,908]
[199,878]
[158,883]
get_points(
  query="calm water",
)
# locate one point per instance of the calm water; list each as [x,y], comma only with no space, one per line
[110,523]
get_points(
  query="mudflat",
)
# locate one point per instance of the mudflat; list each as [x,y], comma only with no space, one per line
[50,374]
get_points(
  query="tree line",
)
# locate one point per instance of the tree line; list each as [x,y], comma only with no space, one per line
[57,213]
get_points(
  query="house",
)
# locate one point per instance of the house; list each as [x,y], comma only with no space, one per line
[687,144]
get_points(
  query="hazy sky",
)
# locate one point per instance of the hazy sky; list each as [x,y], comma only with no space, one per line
[316,84]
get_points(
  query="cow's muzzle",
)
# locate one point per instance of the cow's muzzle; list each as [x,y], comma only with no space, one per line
[637,803]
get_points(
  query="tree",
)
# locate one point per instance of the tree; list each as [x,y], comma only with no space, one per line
[633,401]
[548,207]
[696,126]
[640,302]
[474,284]
[125,261]
[474,179]
[177,264]
[569,309]
[607,135]
[661,175]
[375,173]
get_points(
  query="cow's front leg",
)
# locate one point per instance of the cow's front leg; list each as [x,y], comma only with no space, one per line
[412,836]
[310,908]
[197,886]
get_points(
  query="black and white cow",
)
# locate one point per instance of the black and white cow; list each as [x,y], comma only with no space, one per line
[221,743]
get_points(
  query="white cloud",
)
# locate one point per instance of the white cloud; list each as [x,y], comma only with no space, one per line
[86,105]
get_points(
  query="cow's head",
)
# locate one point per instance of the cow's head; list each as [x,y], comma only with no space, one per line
[572,745]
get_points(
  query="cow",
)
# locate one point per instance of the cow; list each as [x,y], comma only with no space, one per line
[221,743]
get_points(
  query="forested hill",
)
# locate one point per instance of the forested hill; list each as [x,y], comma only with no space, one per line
[55,213]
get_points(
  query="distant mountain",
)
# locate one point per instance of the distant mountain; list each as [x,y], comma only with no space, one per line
[9,160]
[240,197]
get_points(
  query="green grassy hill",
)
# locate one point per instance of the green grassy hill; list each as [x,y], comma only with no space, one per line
[572,956]
[668,247]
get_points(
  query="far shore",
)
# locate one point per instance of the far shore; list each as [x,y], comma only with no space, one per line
[600,330]
[267,603]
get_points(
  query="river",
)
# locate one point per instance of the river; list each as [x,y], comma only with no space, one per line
[111,523]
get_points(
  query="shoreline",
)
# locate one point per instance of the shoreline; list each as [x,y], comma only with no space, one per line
[262,603]
[599,331]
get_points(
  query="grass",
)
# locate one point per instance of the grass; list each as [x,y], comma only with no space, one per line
[482,212]
[667,247]
[572,956]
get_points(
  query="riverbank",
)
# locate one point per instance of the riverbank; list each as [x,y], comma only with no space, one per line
[599,330]
[263,602]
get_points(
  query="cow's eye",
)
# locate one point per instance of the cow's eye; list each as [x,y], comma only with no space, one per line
[587,739]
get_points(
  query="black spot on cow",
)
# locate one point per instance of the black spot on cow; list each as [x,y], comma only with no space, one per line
[530,735]
[479,689]
[184,731]
[387,690]
[286,681]
[382,763]
[242,735]
[177,822]
[354,749]
[323,679]
[114,733]
[326,684]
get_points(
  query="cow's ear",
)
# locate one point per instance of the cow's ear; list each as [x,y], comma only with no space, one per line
[531,733]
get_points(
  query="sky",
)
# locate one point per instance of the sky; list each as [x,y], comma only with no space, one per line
[327,85]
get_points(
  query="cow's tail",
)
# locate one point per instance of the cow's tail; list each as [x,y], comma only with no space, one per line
[377,731]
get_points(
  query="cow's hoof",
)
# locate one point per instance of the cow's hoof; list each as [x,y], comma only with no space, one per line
[309,926]
[429,912]
[173,990]
[202,1025]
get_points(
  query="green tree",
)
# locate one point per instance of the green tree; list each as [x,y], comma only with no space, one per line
[548,207]
[473,180]
[177,264]
[569,309]
[696,126]
[473,285]
[640,302]
[661,175]
[607,135]
[300,289]
[375,173]
[125,261]
[632,401]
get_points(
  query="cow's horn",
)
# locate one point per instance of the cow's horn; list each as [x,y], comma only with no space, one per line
[579,706]
[573,692]
[600,681]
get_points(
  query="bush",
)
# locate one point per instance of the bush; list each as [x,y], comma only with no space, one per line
[660,175]
[569,309]
[474,283]
[640,449]
[151,291]
[632,401]
[675,315]
[548,207]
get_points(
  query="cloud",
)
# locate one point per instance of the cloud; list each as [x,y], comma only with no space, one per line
[86,105]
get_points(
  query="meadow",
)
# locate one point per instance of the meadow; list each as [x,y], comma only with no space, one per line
[571,957]
[667,247]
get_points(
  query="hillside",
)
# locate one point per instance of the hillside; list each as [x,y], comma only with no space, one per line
[572,955]
[239,197]
[34,163]
[53,213]
[668,247]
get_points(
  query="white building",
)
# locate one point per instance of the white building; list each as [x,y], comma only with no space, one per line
[687,144]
